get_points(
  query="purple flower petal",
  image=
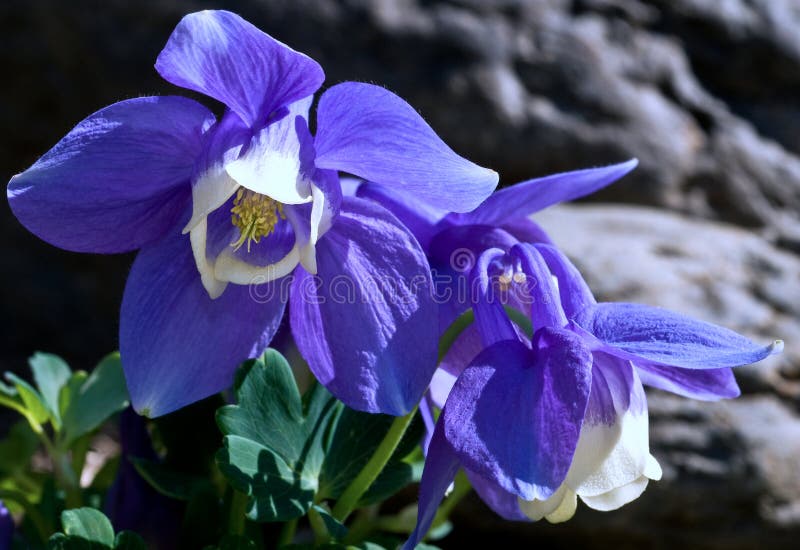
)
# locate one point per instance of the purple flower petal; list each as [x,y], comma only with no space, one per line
[514,415]
[271,164]
[370,132]
[704,384]
[418,216]
[366,323]
[118,180]
[502,502]
[545,302]
[491,318]
[178,345]
[573,290]
[441,466]
[527,231]
[650,335]
[523,199]
[221,55]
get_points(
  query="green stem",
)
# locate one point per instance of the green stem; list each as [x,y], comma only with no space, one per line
[237,513]
[349,499]
[65,475]
[321,535]
[287,533]
[362,526]
[31,512]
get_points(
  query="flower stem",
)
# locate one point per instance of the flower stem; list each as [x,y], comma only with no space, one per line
[349,499]
[321,534]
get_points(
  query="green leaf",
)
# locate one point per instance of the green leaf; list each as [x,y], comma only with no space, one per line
[70,390]
[34,403]
[274,446]
[178,485]
[88,524]
[333,525]
[17,449]
[353,441]
[100,395]
[50,373]
[127,540]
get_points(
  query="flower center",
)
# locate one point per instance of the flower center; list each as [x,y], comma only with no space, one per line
[255,216]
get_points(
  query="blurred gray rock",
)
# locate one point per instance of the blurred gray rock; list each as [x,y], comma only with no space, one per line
[715,272]
[703,92]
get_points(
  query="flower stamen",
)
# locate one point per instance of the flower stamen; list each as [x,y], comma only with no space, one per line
[255,216]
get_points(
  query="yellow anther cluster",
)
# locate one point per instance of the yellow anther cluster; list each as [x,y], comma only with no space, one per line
[255,215]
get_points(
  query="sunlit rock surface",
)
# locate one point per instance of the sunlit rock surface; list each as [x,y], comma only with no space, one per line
[704,93]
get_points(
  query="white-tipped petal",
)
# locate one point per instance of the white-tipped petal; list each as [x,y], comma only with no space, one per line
[320,222]
[566,509]
[618,497]
[537,509]
[228,267]
[211,190]
[624,463]
[197,237]
[271,164]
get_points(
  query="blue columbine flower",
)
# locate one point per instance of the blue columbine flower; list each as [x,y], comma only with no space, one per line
[538,422]
[222,209]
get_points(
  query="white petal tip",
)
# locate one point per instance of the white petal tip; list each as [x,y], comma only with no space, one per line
[776,346]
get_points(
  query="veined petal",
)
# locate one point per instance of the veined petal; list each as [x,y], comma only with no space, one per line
[368,131]
[367,322]
[572,288]
[219,54]
[503,503]
[523,199]
[651,335]
[441,466]
[618,497]
[272,163]
[527,231]
[418,216]
[177,344]
[545,302]
[491,319]
[118,180]
[212,186]
[704,384]
[514,414]
[613,450]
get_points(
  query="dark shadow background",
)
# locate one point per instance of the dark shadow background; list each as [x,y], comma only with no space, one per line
[705,97]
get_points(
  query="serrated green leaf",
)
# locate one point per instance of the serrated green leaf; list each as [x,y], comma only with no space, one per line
[101,394]
[273,447]
[355,437]
[177,485]
[88,524]
[50,373]
[128,540]
[34,403]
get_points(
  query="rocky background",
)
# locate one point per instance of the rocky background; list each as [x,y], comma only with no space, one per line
[705,93]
